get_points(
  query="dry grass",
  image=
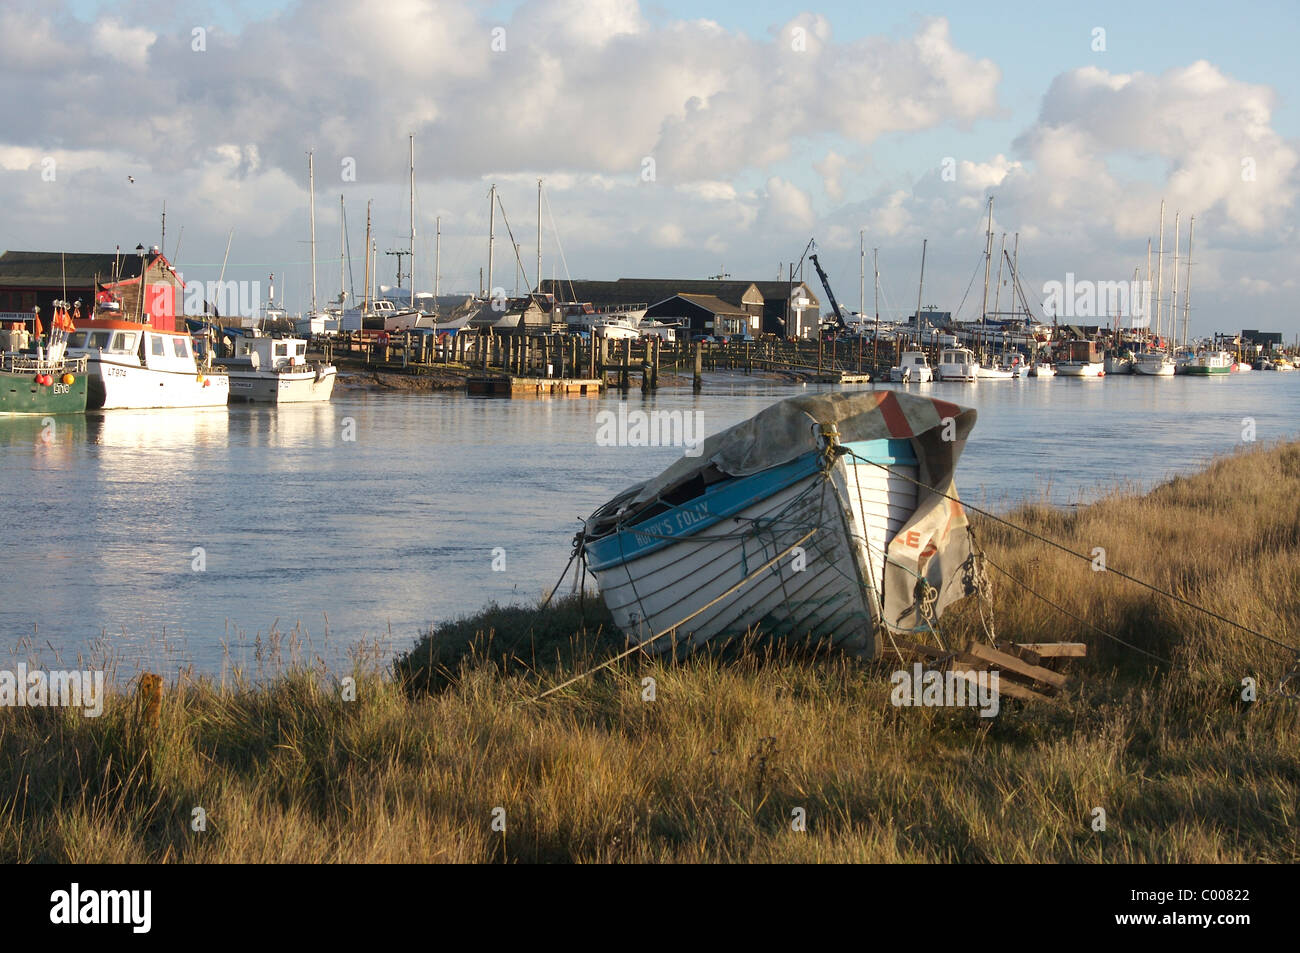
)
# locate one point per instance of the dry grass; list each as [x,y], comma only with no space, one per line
[714,767]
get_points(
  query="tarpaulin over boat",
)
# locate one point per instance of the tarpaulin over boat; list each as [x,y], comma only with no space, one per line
[933,544]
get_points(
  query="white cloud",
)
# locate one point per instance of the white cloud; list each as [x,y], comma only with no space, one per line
[126,44]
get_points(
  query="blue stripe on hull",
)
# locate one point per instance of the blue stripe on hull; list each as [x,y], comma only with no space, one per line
[683,521]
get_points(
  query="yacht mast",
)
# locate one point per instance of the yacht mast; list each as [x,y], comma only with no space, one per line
[988,260]
[1160,268]
[1187,293]
[342,244]
[539,237]
[411,272]
[1173,311]
[311,189]
[492,235]
[365,308]
[437,261]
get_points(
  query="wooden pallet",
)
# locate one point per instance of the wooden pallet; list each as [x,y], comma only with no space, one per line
[1024,668]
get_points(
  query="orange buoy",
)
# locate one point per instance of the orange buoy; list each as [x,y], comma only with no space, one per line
[68,379]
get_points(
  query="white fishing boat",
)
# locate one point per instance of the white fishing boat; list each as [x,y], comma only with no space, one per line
[1081,360]
[958,364]
[994,372]
[269,370]
[1154,363]
[133,364]
[1119,361]
[1043,369]
[913,368]
[805,521]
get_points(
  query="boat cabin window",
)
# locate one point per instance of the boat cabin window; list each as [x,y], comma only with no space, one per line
[99,339]
[77,339]
[123,341]
[178,345]
[158,346]
[282,350]
[301,349]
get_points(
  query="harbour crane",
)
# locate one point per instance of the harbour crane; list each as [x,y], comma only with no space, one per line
[830,295]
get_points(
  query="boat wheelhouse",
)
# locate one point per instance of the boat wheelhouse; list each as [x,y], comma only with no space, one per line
[958,364]
[1081,359]
[913,368]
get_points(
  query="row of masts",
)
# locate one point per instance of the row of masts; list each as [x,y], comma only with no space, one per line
[371,250]
[1160,274]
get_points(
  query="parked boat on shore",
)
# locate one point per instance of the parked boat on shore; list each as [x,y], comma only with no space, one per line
[805,521]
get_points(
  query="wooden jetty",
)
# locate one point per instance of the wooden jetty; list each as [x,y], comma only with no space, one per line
[556,362]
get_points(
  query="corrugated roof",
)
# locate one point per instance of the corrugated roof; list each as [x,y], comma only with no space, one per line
[651,290]
[44,268]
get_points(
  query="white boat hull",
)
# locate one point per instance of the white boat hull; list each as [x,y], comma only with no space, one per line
[1154,368]
[118,385]
[1089,370]
[296,387]
[827,600]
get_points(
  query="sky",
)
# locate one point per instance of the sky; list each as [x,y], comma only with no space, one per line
[674,139]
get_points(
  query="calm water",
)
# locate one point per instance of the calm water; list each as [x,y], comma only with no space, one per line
[373,539]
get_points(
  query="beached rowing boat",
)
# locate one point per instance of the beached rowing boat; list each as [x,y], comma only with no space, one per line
[812,520]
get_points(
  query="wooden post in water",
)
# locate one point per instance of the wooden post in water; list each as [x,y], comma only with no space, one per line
[698,383]
[624,382]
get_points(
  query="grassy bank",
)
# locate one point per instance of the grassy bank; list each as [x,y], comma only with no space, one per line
[713,768]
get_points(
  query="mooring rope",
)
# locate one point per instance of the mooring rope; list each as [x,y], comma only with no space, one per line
[1088,559]
[672,628]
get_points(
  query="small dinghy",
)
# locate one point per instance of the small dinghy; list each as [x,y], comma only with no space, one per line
[813,520]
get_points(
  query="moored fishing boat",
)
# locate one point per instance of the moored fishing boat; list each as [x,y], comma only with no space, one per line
[1154,363]
[912,368]
[41,379]
[276,371]
[1081,360]
[1211,364]
[957,364]
[817,519]
[139,364]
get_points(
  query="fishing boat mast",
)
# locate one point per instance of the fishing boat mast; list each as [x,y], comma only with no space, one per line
[539,236]
[919,289]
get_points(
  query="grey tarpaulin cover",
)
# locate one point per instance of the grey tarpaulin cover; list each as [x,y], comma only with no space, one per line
[934,543]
